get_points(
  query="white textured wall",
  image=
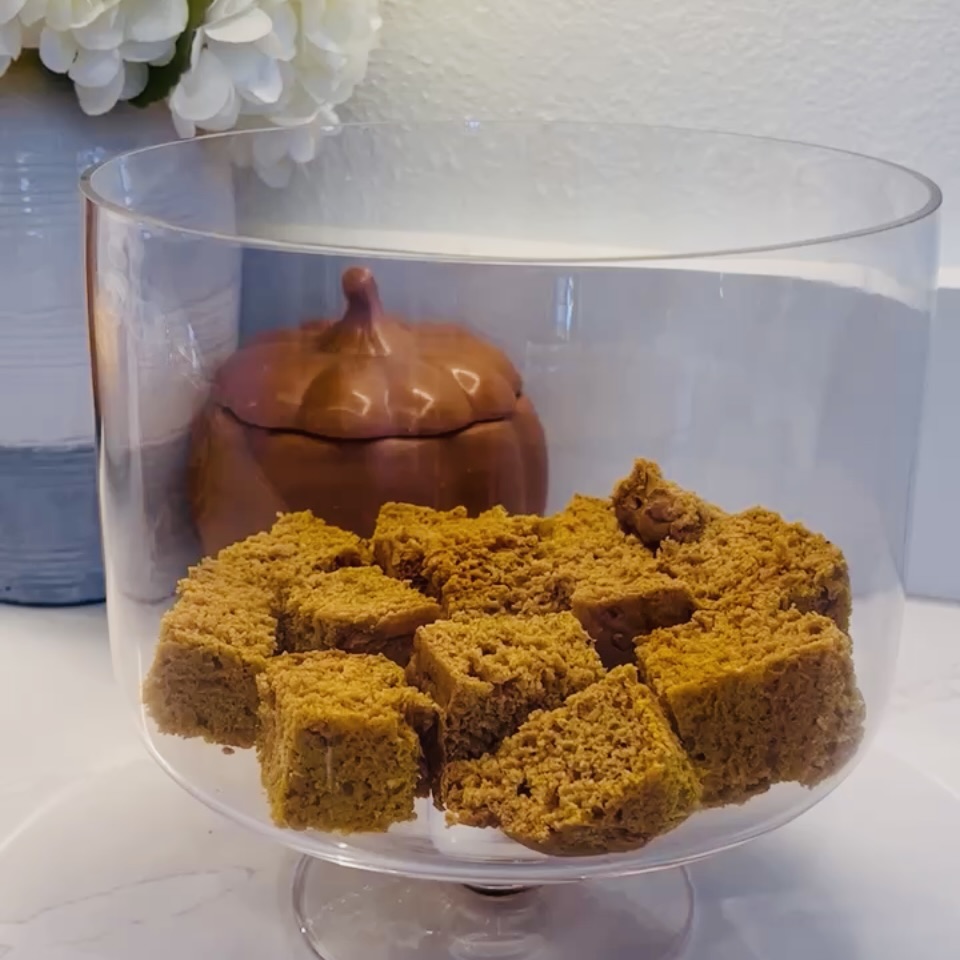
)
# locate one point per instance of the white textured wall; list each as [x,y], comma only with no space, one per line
[879,76]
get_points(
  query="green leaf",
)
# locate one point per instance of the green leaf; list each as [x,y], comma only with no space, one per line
[164,79]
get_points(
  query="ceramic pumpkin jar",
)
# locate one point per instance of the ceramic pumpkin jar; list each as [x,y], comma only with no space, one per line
[342,417]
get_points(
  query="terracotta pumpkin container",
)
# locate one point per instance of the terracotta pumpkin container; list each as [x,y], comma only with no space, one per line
[341,417]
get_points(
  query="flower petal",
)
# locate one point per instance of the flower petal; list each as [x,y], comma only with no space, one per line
[227,118]
[11,39]
[135,81]
[282,42]
[297,108]
[255,76]
[186,129]
[303,145]
[149,21]
[247,27]
[222,9]
[96,101]
[270,147]
[105,33]
[10,9]
[4,64]
[73,14]
[203,91]
[141,52]
[166,58]
[57,50]
[96,68]
[33,12]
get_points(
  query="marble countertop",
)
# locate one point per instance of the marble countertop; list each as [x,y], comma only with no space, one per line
[101,856]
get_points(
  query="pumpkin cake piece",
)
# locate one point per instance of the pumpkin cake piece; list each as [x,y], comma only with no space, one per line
[602,773]
[610,580]
[401,536]
[490,564]
[222,627]
[298,545]
[488,674]
[756,558]
[213,643]
[625,601]
[654,509]
[757,697]
[339,743]
[357,609]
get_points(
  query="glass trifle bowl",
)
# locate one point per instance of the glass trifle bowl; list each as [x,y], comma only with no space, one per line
[542,521]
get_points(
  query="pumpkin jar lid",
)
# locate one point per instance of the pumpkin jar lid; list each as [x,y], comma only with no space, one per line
[369,375]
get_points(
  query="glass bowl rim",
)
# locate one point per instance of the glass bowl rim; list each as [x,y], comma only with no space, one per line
[97,199]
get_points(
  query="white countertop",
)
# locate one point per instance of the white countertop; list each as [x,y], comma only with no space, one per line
[101,856]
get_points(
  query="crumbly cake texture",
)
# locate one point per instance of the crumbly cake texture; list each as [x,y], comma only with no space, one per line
[757,697]
[489,565]
[610,580]
[297,546]
[654,509]
[213,643]
[404,533]
[357,609]
[488,675]
[223,627]
[577,560]
[617,605]
[757,559]
[604,772]
[339,741]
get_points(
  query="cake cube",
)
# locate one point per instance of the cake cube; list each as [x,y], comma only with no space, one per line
[298,545]
[490,564]
[340,741]
[654,509]
[357,609]
[488,674]
[610,580]
[587,522]
[757,697]
[222,627]
[601,773]
[756,558]
[616,605]
[402,535]
[213,643]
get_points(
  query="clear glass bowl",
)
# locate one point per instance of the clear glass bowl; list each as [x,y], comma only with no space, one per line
[751,314]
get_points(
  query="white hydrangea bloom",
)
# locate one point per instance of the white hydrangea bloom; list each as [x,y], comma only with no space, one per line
[336,39]
[287,63]
[105,46]
[11,33]
[235,64]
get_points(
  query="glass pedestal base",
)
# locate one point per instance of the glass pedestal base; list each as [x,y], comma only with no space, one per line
[346,914]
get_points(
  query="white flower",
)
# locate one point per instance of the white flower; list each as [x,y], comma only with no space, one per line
[106,46]
[235,64]
[286,63]
[11,33]
[336,39]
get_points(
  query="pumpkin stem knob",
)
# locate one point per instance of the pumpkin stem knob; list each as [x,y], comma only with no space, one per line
[365,329]
[360,289]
